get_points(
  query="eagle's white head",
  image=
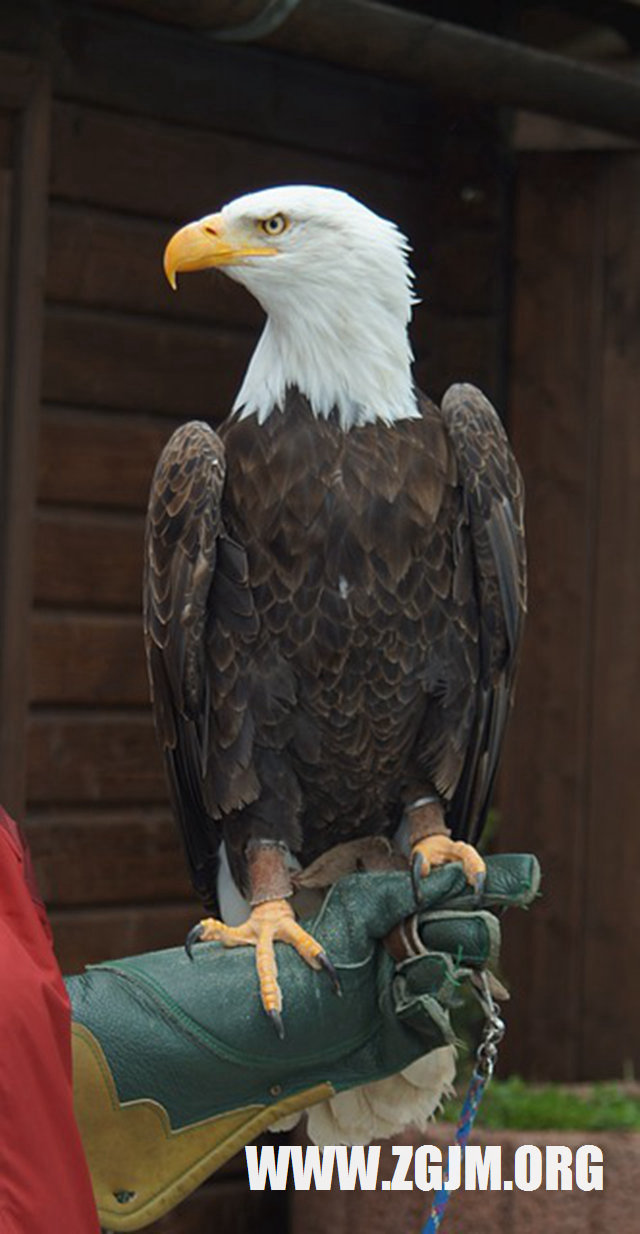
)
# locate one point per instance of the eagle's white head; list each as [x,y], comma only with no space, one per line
[336,285]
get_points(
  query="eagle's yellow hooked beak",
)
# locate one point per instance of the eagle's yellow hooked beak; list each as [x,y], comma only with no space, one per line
[208,242]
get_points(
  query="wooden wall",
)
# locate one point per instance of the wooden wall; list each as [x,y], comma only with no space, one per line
[149,129]
[573,752]
[152,127]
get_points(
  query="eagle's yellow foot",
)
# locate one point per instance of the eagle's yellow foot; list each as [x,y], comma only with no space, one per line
[440,849]
[270,922]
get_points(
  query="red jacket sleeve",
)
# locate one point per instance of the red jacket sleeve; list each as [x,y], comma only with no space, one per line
[44,1180]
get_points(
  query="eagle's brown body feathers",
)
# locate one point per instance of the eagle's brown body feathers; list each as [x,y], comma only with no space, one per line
[332,623]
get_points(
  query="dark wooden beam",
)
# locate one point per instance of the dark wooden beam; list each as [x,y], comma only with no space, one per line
[24,93]
[451,61]
[533,132]
[117,60]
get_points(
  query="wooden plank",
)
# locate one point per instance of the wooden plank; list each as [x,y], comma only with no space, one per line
[554,426]
[460,349]
[113,261]
[88,561]
[136,364]
[23,85]
[7,135]
[141,67]
[466,273]
[537,132]
[7,205]
[21,77]
[465,183]
[107,856]
[89,936]
[92,660]
[93,459]
[164,172]
[611,1004]
[112,758]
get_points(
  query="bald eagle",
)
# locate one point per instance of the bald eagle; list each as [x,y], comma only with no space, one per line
[334,584]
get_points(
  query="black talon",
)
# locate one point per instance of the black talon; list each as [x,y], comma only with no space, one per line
[479,886]
[276,1020]
[194,936]
[328,967]
[416,875]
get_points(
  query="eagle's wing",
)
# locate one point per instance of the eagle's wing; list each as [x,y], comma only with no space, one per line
[198,614]
[493,516]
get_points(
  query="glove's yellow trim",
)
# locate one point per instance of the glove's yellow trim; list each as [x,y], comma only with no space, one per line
[131,1147]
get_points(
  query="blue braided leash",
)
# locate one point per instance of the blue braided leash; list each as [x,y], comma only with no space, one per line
[485,1064]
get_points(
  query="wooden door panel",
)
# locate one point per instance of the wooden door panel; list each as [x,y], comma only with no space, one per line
[568,788]
[611,1002]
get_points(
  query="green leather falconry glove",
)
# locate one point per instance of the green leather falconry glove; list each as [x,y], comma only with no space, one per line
[177,1067]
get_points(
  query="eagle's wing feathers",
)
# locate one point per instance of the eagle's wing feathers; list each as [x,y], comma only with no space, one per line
[493,516]
[198,610]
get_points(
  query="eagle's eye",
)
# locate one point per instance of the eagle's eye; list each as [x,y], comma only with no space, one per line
[275,225]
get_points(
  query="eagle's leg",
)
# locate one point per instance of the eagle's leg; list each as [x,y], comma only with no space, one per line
[271,920]
[431,845]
